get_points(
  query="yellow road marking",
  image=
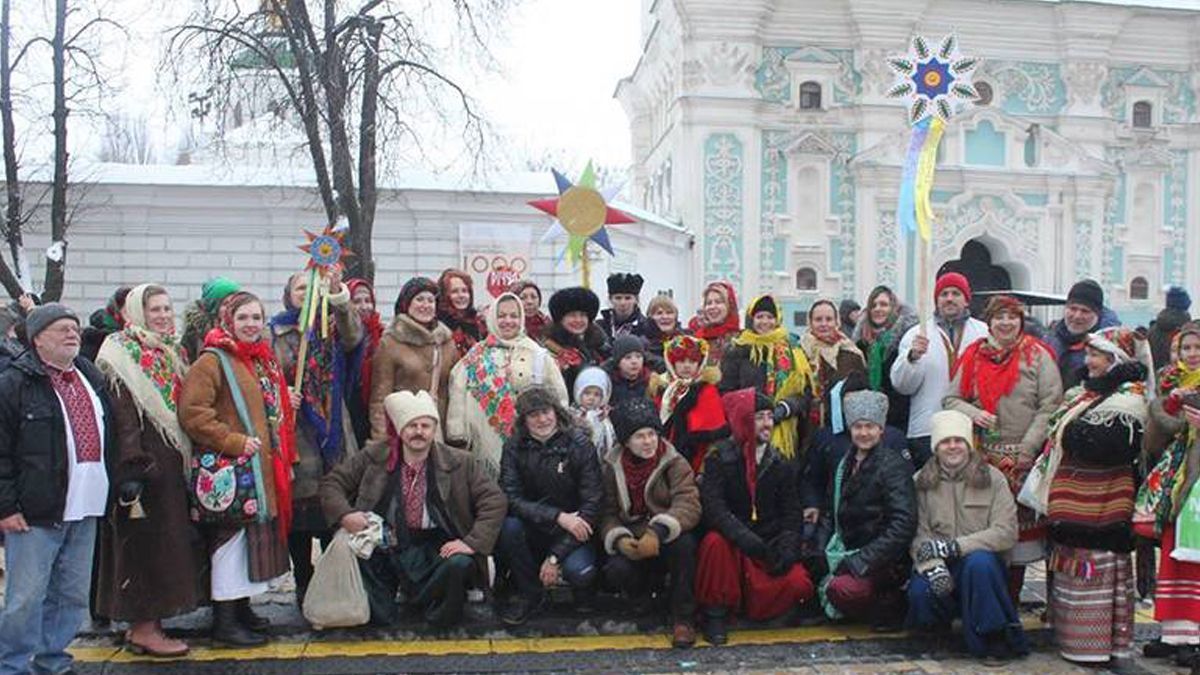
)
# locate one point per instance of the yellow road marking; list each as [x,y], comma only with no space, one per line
[552,645]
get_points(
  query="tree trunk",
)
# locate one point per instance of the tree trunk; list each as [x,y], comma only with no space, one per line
[53,287]
[368,191]
[334,80]
[12,183]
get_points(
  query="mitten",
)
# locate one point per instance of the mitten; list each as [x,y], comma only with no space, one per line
[940,581]
[946,549]
[627,546]
[648,544]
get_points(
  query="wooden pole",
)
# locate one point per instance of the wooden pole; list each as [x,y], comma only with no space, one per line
[922,283]
[585,267]
[310,301]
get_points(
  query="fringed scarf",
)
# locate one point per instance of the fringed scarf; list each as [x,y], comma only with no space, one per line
[281,420]
[788,374]
[991,371]
[324,383]
[150,366]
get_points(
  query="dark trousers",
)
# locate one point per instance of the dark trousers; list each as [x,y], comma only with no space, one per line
[676,559]
[980,597]
[300,549]
[522,548]
[435,585]
[921,450]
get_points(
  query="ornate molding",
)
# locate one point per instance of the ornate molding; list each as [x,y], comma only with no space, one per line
[722,65]
[1084,79]
[724,169]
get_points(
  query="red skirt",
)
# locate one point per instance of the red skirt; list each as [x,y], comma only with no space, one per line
[1177,590]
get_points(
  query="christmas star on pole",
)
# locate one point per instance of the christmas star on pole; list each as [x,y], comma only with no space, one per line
[581,211]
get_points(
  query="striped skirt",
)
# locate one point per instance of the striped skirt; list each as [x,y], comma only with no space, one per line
[1093,604]
[1177,596]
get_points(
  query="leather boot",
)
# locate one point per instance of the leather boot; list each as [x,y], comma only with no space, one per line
[250,620]
[228,631]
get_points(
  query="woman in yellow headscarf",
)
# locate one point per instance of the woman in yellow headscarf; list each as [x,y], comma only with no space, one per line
[765,356]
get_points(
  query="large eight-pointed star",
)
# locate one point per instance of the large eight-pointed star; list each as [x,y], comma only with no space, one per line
[581,211]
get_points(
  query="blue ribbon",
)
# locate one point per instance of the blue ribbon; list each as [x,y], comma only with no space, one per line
[836,421]
[906,206]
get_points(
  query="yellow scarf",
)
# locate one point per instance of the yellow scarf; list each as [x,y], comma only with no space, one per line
[788,374]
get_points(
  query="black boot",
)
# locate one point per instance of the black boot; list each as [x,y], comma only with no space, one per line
[250,620]
[715,629]
[227,631]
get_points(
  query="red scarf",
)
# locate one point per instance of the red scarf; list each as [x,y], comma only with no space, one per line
[730,325]
[535,325]
[258,357]
[990,372]
[373,325]
[637,474]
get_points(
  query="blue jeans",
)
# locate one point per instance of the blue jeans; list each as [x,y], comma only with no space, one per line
[980,597]
[523,547]
[48,580]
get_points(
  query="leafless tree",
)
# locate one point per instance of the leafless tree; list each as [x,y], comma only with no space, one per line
[353,76]
[127,140]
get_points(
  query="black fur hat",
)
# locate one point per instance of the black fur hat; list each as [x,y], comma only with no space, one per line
[574,299]
[623,282]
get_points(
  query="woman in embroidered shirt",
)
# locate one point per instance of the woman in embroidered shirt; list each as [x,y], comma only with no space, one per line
[1095,435]
[244,559]
[718,323]
[1008,384]
[764,356]
[1162,497]
[833,356]
[147,566]
[485,384]
[456,309]
[358,374]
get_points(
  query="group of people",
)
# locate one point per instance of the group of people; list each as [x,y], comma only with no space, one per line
[883,467]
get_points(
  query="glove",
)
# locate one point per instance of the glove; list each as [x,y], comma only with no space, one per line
[940,581]
[628,547]
[854,566]
[130,491]
[946,549]
[776,565]
[781,412]
[648,544]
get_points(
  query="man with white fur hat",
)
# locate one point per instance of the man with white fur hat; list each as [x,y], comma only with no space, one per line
[966,523]
[442,513]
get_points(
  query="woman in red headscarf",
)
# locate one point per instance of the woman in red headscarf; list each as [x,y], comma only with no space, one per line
[1008,384]
[718,323]
[244,559]
[456,309]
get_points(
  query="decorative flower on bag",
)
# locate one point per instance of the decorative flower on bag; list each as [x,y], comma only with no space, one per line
[246,479]
[205,482]
[250,507]
[207,461]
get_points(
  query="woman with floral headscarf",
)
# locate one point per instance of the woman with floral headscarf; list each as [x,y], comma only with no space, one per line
[358,374]
[833,355]
[688,401]
[1088,493]
[456,309]
[1162,497]
[1008,384]
[485,383]
[718,323]
[764,356]
[324,433]
[147,563]
[245,558]
[416,353]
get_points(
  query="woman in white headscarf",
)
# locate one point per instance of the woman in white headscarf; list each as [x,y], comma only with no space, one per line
[485,383]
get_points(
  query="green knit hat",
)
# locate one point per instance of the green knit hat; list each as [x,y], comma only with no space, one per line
[217,289]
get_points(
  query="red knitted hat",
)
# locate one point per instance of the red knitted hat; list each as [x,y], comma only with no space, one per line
[952,280]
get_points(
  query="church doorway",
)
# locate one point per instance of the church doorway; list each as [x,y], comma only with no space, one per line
[975,263]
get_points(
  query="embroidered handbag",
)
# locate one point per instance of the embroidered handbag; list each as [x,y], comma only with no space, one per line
[225,490]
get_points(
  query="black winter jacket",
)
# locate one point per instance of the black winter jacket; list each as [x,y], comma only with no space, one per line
[33,440]
[739,372]
[542,480]
[878,511]
[821,460]
[725,499]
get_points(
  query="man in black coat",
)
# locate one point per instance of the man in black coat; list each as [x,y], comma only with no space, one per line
[624,316]
[56,437]
[551,475]
[873,508]
[750,557]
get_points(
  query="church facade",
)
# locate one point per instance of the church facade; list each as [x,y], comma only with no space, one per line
[763,126]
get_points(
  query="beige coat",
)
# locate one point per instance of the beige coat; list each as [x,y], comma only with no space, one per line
[411,358]
[977,510]
[1022,416]
[525,364]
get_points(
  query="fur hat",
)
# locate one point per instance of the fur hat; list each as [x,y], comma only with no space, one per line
[42,316]
[1087,293]
[534,399]
[626,345]
[633,415]
[403,407]
[952,280]
[871,406]
[1178,298]
[625,283]
[950,424]
[575,299]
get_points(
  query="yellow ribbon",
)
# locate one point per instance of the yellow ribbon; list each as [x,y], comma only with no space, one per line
[926,165]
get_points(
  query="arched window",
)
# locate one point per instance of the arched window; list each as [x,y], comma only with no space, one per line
[985,93]
[810,96]
[1143,115]
[806,279]
[1139,289]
